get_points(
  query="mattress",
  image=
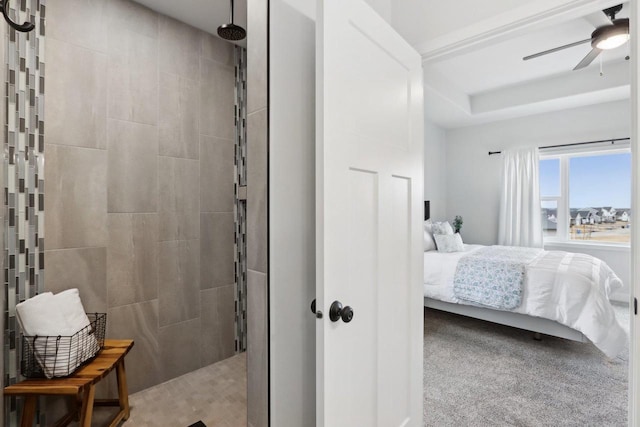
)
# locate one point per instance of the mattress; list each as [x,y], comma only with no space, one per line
[571,289]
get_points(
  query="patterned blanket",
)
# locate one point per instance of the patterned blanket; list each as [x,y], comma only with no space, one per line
[493,276]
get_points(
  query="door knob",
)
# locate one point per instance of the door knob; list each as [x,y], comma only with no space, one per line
[337,312]
[318,313]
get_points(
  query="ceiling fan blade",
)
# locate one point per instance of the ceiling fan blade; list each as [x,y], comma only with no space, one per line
[555,49]
[598,19]
[588,59]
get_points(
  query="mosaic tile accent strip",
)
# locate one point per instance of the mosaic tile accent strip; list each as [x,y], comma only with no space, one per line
[23,181]
[240,208]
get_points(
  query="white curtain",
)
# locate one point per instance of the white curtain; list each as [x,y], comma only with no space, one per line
[520,223]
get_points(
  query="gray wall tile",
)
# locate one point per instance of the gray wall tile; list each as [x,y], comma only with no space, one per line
[179,198]
[178,348]
[128,15]
[179,122]
[257,349]
[179,225]
[257,55]
[178,281]
[216,174]
[217,324]
[76,96]
[217,266]
[132,167]
[226,319]
[76,197]
[140,101]
[178,179]
[132,70]
[257,191]
[56,407]
[210,344]
[216,49]
[85,269]
[179,48]
[81,22]
[132,258]
[216,99]
[138,322]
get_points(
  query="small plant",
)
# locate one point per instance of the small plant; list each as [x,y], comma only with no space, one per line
[457,223]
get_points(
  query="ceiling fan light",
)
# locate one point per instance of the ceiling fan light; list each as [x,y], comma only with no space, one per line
[613,41]
[611,36]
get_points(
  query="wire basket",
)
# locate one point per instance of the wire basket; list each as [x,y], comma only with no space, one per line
[51,356]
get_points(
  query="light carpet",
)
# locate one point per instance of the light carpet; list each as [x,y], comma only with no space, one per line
[478,373]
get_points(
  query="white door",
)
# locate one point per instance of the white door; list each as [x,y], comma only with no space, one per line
[369,177]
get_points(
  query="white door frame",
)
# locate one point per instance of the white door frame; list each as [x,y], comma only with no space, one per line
[525,19]
[634,365]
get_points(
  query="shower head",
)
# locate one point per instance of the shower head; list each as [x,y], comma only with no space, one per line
[232,31]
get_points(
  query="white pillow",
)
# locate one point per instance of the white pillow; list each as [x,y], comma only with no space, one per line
[442,228]
[449,242]
[429,243]
[428,225]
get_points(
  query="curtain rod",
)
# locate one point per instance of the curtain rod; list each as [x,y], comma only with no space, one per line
[613,141]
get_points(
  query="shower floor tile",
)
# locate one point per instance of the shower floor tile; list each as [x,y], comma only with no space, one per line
[215,395]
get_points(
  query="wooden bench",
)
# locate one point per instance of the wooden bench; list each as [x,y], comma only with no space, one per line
[81,386]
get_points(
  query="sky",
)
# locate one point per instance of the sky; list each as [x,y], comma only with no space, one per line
[594,181]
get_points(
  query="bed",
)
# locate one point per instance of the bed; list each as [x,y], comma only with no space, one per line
[561,294]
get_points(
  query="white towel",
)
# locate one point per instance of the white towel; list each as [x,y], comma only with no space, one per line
[39,316]
[47,316]
[70,306]
[76,320]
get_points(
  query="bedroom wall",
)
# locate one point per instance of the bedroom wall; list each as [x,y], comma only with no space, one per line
[473,177]
[435,189]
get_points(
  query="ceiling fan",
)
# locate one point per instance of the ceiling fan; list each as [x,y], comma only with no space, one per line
[609,34]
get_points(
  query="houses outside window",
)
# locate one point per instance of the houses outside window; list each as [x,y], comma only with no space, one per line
[586,197]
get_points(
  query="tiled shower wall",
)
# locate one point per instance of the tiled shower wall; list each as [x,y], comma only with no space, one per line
[3,69]
[240,209]
[22,175]
[140,181]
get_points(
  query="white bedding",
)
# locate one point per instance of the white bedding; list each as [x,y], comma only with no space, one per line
[571,289]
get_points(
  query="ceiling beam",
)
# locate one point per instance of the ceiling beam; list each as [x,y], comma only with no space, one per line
[531,16]
[446,90]
[570,84]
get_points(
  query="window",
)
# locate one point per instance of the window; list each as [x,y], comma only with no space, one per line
[586,197]
[550,195]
